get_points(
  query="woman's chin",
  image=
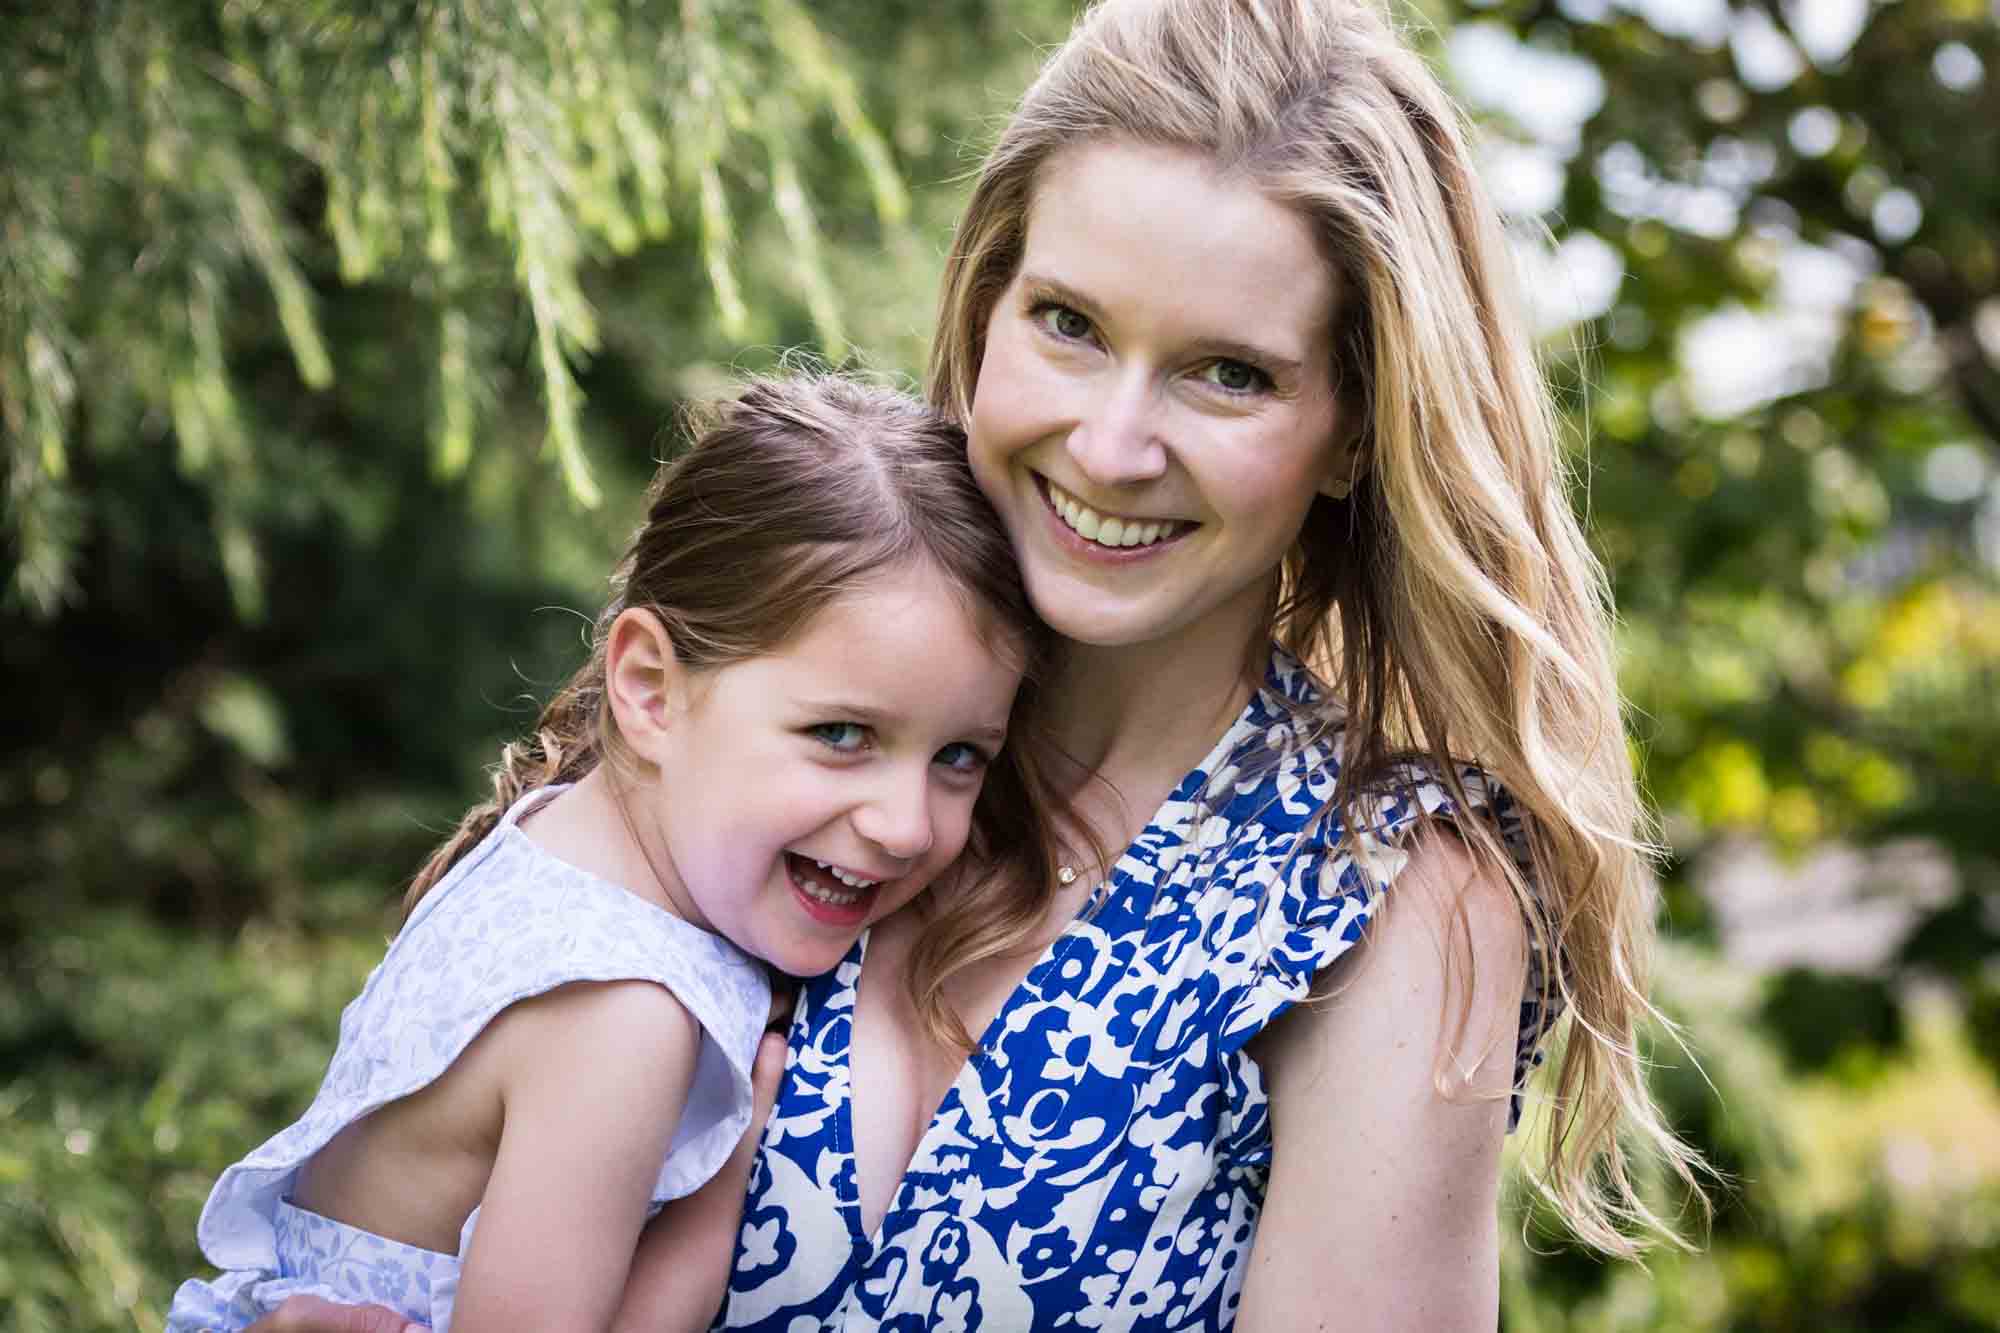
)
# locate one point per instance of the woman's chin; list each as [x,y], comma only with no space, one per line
[1162,617]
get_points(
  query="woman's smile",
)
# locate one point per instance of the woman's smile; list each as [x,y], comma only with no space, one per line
[1109,536]
[1153,447]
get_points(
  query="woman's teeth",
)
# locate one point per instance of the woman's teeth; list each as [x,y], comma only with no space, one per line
[1090,525]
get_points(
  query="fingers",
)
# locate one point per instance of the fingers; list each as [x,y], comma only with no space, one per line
[310,1314]
[765,1075]
[681,1269]
[724,1192]
[784,998]
[732,1182]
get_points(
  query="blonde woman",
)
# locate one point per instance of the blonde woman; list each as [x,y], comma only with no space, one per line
[1346,816]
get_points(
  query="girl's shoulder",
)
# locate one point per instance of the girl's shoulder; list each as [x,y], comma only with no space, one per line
[510,923]
[522,921]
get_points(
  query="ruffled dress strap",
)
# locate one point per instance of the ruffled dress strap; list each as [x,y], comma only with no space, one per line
[1311,912]
[510,921]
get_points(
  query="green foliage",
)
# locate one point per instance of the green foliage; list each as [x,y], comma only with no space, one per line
[1805,560]
[463,152]
[1817,1017]
[112,1135]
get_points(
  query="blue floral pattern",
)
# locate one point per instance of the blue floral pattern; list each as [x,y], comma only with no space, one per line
[510,921]
[1101,1160]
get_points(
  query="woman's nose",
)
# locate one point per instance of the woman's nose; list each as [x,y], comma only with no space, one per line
[1117,440]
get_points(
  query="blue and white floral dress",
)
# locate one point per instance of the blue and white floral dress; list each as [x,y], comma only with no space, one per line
[508,922]
[1101,1160]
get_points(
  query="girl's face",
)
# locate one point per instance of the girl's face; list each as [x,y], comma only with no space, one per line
[1156,407]
[803,794]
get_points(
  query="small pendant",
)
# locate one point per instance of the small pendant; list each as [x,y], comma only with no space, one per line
[1065,875]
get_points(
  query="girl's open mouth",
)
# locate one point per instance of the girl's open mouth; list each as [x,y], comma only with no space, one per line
[829,893]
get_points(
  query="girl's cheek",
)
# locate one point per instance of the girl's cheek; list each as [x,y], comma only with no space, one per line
[953,838]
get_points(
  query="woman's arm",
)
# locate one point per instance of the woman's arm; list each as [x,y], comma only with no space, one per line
[1382,1211]
[592,1082]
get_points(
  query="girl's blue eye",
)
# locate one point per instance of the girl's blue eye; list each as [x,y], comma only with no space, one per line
[1235,376]
[1063,321]
[962,758]
[846,737]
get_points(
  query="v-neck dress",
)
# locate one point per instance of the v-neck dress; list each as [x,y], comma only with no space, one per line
[1100,1161]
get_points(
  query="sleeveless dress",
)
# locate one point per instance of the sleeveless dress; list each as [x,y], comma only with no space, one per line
[508,922]
[1101,1159]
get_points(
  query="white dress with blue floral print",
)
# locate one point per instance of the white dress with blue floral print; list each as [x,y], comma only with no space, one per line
[508,922]
[1101,1159]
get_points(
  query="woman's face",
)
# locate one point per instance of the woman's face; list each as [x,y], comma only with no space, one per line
[1156,409]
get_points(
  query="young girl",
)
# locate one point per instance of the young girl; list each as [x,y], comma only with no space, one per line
[560,1038]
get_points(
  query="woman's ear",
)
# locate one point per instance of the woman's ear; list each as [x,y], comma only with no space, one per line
[645,684]
[1350,447]
[1351,434]
[1349,462]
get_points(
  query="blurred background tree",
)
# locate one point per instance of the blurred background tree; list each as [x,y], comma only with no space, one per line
[1771,231]
[337,342]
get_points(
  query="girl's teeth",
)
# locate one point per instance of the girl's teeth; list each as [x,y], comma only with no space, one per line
[820,893]
[851,880]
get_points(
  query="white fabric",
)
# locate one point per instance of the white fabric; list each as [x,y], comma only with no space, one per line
[510,921]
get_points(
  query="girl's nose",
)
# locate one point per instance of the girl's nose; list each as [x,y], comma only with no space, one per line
[898,817]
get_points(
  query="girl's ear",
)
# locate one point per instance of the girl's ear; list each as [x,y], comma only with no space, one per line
[644,682]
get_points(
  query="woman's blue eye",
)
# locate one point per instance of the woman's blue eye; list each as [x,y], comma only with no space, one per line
[1063,321]
[1236,376]
[962,758]
[846,737]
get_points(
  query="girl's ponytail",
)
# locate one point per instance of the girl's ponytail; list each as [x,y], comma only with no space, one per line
[564,745]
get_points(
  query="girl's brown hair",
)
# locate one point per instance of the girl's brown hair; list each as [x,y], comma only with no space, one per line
[1452,597]
[793,493]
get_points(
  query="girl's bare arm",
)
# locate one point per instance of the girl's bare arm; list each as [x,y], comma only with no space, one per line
[593,1081]
[680,1271]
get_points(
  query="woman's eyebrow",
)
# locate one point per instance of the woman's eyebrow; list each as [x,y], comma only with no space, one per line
[1228,349]
[1277,365]
[1054,289]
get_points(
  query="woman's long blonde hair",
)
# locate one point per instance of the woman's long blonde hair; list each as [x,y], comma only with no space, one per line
[1452,598]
